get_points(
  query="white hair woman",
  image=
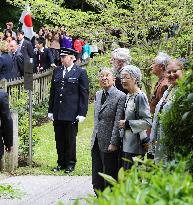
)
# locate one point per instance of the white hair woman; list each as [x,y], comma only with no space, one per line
[174,72]
[137,115]
[120,57]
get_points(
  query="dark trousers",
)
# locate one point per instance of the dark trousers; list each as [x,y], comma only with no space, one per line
[106,163]
[127,164]
[65,137]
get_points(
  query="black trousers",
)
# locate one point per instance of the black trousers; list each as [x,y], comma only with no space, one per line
[129,156]
[65,137]
[106,163]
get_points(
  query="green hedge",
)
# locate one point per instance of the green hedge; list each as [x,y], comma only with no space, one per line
[178,121]
[149,184]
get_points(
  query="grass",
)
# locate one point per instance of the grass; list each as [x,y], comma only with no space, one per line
[7,191]
[45,156]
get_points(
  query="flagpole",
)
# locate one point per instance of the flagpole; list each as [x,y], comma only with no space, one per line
[30,126]
[27,28]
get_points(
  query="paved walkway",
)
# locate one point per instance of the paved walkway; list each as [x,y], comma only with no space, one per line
[47,190]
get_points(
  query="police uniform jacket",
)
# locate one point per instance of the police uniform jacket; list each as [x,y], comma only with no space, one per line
[68,94]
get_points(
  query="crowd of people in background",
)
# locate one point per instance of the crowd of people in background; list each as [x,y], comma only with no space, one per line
[45,48]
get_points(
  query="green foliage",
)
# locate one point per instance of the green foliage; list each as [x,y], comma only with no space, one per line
[178,121]
[21,106]
[8,13]
[146,26]
[149,184]
[7,191]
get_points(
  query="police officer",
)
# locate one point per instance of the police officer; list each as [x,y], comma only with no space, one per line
[68,105]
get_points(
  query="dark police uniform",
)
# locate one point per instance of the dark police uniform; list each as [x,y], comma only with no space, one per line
[68,99]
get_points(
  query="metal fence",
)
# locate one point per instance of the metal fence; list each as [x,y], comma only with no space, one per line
[41,82]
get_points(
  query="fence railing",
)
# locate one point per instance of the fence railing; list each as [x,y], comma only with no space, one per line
[41,83]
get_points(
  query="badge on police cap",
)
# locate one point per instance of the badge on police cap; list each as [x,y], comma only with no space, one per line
[68,51]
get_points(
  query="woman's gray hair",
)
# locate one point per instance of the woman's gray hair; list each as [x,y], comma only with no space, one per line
[162,58]
[122,54]
[134,71]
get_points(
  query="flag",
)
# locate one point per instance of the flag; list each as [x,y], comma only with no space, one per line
[26,20]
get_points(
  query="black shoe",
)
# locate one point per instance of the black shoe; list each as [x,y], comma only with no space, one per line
[57,169]
[69,169]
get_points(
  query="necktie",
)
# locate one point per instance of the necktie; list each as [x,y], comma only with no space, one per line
[104,97]
[13,56]
[65,71]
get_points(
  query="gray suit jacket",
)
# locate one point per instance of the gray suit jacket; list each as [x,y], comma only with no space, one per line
[106,119]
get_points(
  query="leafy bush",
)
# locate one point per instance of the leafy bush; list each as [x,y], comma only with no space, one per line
[178,121]
[21,106]
[148,184]
[8,191]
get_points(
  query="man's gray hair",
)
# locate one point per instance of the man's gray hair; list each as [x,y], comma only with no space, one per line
[162,58]
[109,70]
[134,71]
[122,54]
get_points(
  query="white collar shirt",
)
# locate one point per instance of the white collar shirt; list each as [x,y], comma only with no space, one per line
[68,69]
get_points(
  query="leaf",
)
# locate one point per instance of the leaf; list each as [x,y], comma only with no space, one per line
[185,116]
[190,98]
[121,174]
[108,178]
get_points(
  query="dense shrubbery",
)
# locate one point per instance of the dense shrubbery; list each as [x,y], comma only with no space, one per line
[178,121]
[149,184]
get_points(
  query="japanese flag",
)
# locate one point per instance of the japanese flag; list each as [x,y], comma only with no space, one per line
[26,20]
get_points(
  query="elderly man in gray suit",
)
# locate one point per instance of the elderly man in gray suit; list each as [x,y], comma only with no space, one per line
[105,143]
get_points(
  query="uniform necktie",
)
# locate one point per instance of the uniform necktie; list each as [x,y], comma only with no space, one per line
[65,71]
[104,97]
[13,56]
